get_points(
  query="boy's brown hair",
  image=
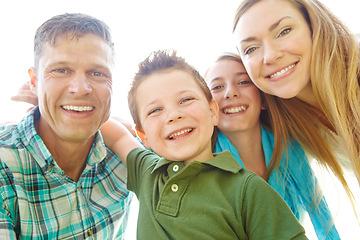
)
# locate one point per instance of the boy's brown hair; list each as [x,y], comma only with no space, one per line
[160,61]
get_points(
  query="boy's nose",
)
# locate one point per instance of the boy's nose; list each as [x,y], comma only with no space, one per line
[174,115]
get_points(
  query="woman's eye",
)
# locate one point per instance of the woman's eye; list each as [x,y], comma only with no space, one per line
[284,32]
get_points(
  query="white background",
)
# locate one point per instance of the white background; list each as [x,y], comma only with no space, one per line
[199,29]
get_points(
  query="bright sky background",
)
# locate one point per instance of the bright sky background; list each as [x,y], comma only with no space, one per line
[199,29]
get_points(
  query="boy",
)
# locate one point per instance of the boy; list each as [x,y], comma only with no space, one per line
[189,193]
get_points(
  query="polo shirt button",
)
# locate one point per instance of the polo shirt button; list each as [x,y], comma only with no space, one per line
[174,187]
[176,168]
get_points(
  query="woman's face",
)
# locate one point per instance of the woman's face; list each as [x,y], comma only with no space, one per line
[238,98]
[275,44]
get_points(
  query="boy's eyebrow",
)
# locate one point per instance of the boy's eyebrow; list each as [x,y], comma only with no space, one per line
[272,27]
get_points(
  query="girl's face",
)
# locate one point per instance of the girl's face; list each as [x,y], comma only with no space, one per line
[275,44]
[238,98]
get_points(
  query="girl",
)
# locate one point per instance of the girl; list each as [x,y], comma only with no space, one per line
[244,124]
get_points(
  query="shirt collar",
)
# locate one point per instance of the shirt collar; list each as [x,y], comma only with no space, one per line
[224,161]
[39,151]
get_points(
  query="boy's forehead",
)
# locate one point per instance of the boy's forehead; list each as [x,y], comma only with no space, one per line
[161,86]
[167,79]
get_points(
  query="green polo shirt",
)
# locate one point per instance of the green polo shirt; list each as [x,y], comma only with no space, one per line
[216,199]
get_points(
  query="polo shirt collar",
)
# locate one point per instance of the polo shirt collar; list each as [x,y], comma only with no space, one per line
[224,161]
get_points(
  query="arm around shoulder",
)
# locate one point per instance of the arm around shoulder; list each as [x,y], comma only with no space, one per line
[118,138]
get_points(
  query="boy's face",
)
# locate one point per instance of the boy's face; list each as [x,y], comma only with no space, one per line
[176,117]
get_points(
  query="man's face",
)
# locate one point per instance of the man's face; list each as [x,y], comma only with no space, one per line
[74,86]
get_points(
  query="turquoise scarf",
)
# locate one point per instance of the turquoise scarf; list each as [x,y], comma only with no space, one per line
[294,181]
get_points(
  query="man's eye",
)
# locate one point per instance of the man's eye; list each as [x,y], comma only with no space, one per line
[97,74]
[61,70]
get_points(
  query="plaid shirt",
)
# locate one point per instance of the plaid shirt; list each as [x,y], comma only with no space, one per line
[38,201]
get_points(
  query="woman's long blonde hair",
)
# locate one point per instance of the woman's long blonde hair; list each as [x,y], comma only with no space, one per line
[335,82]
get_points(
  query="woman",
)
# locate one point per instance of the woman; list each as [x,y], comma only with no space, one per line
[244,124]
[301,53]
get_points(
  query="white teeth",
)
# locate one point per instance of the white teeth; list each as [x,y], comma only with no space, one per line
[235,109]
[174,135]
[282,71]
[78,108]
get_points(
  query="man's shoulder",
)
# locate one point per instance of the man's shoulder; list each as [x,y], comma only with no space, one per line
[9,134]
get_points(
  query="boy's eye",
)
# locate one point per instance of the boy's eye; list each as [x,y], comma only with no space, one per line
[186,100]
[154,111]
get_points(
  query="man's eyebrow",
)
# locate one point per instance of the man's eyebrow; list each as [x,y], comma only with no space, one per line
[272,27]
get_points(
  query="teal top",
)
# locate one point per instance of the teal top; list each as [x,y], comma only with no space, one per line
[39,201]
[215,199]
[295,182]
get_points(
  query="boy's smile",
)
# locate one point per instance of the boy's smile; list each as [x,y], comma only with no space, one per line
[176,117]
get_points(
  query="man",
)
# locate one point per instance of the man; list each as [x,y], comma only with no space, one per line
[57,179]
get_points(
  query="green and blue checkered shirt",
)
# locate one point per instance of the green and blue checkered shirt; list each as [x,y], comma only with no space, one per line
[38,201]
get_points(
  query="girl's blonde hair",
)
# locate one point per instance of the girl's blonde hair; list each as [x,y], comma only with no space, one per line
[335,82]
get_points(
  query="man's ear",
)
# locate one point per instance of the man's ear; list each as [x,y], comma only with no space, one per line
[143,137]
[214,108]
[33,80]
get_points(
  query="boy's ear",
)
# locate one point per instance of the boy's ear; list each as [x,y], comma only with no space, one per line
[33,81]
[143,137]
[214,108]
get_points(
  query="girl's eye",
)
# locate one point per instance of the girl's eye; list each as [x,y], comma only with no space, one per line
[249,50]
[244,82]
[213,88]
[284,32]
